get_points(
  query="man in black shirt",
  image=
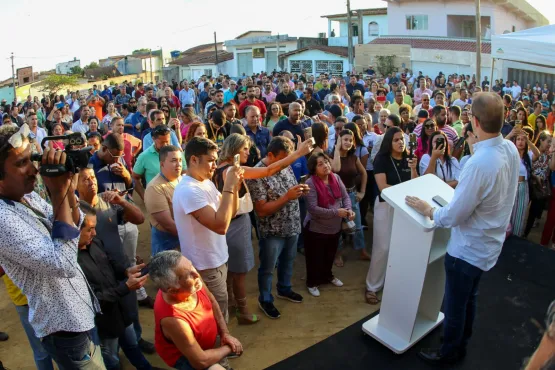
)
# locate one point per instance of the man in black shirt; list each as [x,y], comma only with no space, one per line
[312,105]
[286,96]
[354,85]
[292,123]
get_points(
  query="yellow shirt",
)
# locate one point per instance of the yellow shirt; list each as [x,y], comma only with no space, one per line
[532,121]
[17,297]
[455,96]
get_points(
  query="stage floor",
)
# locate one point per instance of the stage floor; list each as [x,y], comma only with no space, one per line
[512,302]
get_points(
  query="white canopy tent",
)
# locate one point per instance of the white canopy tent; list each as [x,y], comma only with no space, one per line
[532,46]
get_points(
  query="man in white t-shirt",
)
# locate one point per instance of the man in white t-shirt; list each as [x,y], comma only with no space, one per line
[202,215]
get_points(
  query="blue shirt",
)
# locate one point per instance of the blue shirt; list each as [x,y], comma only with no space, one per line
[284,124]
[482,205]
[322,93]
[135,119]
[147,140]
[261,139]
[106,179]
[229,96]
[106,94]
[300,168]
[390,96]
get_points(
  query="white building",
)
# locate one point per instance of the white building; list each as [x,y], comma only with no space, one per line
[194,65]
[257,51]
[367,25]
[316,59]
[65,67]
[433,36]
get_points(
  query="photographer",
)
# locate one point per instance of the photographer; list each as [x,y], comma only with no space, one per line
[38,250]
[438,161]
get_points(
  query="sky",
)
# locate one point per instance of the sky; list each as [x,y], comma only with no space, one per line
[42,33]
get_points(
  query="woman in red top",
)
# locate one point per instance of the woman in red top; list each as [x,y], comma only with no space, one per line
[187,316]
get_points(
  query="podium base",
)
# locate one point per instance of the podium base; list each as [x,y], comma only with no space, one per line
[394,342]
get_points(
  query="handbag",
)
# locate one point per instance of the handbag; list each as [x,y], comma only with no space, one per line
[541,190]
[245,203]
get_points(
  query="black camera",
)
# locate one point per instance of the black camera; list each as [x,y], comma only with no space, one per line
[75,158]
[440,142]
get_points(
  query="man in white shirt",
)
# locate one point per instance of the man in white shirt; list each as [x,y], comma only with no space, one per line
[202,216]
[187,96]
[478,216]
[82,125]
[516,90]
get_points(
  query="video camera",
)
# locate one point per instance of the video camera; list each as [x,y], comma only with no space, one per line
[75,158]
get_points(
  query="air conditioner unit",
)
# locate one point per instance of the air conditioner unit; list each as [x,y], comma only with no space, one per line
[322,35]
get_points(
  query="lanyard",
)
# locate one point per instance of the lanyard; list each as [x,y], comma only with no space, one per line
[441,167]
[395,166]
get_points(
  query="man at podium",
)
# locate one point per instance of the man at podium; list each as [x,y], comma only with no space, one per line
[478,215]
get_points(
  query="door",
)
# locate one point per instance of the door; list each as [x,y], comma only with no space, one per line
[244,64]
[271,61]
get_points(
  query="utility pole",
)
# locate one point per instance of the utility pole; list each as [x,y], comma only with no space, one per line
[350,35]
[478,44]
[151,79]
[277,53]
[13,81]
[216,49]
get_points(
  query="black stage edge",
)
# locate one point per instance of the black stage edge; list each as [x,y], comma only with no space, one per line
[512,303]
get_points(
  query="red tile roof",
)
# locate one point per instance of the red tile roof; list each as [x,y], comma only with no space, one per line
[433,43]
[202,47]
[207,57]
[337,50]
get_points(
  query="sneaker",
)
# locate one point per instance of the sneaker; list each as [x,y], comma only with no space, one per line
[146,347]
[336,282]
[314,291]
[291,296]
[269,309]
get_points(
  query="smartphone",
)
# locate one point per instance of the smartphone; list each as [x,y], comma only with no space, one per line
[439,201]
[440,142]
[237,160]
[125,191]
[145,270]
[173,113]
[303,178]
[312,140]
[412,145]
[518,123]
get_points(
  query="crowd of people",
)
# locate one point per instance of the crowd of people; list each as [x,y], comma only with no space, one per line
[296,161]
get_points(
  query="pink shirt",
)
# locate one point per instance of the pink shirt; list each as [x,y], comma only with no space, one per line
[269,97]
[418,95]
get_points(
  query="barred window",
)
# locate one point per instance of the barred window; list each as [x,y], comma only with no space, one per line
[299,66]
[329,66]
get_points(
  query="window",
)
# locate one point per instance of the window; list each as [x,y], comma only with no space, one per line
[373,29]
[329,66]
[417,22]
[298,66]
[208,72]
[25,80]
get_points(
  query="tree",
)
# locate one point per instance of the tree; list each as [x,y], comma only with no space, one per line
[385,64]
[53,83]
[76,71]
[92,65]
[140,51]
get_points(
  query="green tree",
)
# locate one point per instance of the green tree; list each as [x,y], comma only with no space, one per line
[92,65]
[76,71]
[53,83]
[386,64]
[139,51]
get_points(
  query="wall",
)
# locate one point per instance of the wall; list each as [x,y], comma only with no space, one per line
[365,55]
[382,22]
[505,65]
[504,21]
[259,64]
[225,68]
[431,62]
[437,15]
[130,65]
[24,73]
[6,92]
[315,55]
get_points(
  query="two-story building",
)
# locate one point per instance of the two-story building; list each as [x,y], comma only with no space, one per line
[367,24]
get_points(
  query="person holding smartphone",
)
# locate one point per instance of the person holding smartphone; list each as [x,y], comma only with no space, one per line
[439,162]
[392,166]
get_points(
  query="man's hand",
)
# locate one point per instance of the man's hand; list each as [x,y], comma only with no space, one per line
[305,147]
[134,269]
[236,346]
[419,205]
[234,177]
[112,197]
[295,192]
[136,281]
[120,170]
[57,185]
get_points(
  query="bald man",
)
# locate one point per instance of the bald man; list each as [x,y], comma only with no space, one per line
[478,216]
[292,123]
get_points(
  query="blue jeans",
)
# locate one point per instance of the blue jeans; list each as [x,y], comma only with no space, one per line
[162,241]
[77,351]
[274,249]
[459,304]
[128,343]
[42,358]
[358,239]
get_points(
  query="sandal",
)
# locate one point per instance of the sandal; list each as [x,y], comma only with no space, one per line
[371,298]
[244,318]
[364,256]
[339,261]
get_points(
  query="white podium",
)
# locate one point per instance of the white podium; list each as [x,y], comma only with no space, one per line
[415,277]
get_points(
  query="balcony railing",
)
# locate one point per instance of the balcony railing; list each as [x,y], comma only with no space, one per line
[341,41]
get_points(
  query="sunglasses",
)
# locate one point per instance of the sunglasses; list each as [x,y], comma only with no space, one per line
[429,125]
[162,129]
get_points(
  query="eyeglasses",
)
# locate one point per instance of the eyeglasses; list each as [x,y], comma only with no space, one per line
[429,125]
[116,156]
[165,111]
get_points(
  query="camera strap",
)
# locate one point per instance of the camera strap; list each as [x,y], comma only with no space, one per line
[395,166]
